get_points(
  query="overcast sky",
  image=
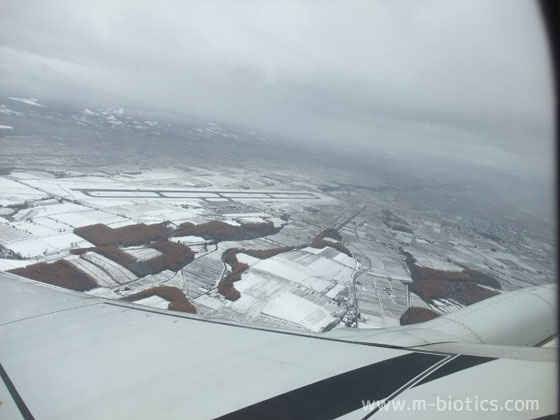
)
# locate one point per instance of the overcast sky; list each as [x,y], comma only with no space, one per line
[464,79]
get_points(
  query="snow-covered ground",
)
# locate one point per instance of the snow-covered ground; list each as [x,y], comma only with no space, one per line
[141,253]
[9,264]
[335,291]
[310,270]
[191,239]
[12,192]
[294,309]
[58,201]
[154,302]
[117,272]
[101,276]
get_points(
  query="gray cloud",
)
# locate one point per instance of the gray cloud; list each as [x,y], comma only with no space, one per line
[465,78]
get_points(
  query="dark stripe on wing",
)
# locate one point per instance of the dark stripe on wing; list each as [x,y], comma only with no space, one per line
[25,413]
[341,394]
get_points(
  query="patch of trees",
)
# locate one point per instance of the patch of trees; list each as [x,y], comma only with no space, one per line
[401,228]
[226,287]
[320,242]
[332,233]
[9,254]
[221,231]
[59,273]
[490,236]
[177,299]
[415,315]
[19,206]
[483,278]
[263,254]
[394,222]
[462,286]
[138,234]
[174,257]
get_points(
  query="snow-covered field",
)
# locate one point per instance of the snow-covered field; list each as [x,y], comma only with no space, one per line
[154,302]
[141,253]
[12,192]
[9,264]
[289,307]
[117,272]
[32,247]
[332,293]
[100,275]
[191,239]
[307,269]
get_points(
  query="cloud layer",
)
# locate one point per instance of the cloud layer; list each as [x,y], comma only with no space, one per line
[469,79]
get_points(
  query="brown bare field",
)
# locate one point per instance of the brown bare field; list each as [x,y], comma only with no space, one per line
[177,299]
[463,286]
[139,234]
[59,273]
[415,315]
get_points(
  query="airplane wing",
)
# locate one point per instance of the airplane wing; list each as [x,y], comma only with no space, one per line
[67,355]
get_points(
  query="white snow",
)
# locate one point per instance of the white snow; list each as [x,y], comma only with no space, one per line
[154,302]
[191,239]
[141,253]
[116,271]
[297,310]
[32,247]
[9,264]
[103,292]
[335,291]
[247,259]
[247,304]
[311,271]
[209,301]
[15,192]
[6,127]
[101,276]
